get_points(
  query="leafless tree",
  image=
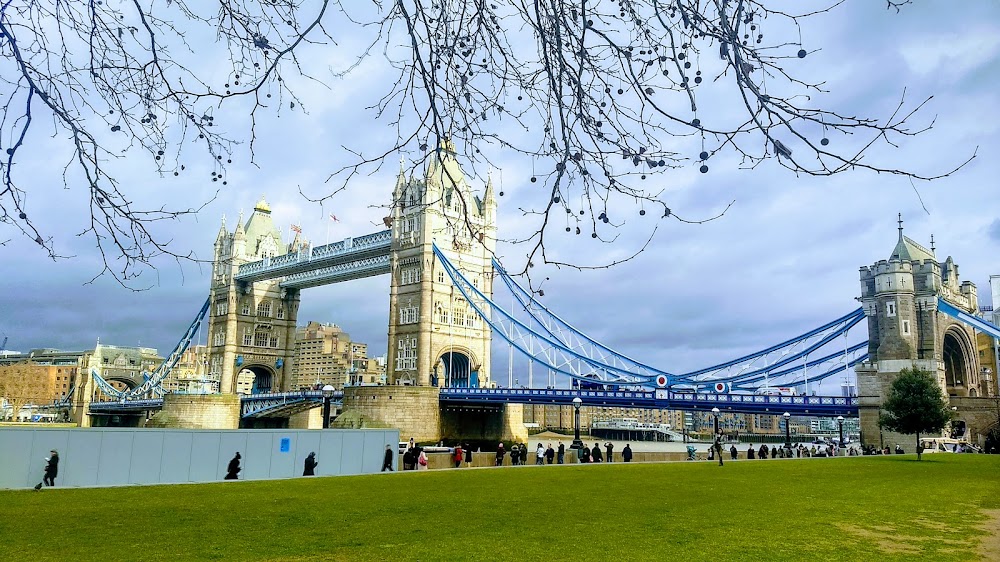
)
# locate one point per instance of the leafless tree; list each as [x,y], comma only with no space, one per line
[598,95]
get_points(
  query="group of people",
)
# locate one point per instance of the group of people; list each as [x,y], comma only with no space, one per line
[414,458]
[519,454]
[591,455]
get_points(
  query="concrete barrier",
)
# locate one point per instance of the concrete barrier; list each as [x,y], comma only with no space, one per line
[123,456]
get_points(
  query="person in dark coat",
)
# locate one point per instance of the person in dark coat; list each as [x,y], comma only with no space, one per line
[468,454]
[387,459]
[233,470]
[515,455]
[409,458]
[610,447]
[627,453]
[774,452]
[585,454]
[550,454]
[751,454]
[732,452]
[595,453]
[500,454]
[310,465]
[561,454]
[762,453]
[524,454]
[51,468]
[718,448]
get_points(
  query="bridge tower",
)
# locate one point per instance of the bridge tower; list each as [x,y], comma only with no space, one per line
[905,329]
[435,336]
[251,327]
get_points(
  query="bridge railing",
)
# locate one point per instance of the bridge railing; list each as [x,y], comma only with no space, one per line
[707,398]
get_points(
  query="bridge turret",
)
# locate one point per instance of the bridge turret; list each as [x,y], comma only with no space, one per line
[900,298]
[435,337]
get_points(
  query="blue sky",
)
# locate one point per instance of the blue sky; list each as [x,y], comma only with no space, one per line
[782,260]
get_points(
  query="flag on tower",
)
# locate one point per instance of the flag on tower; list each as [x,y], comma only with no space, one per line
[334,218]
[297,228]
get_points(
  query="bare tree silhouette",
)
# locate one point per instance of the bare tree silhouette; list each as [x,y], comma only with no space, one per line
[597,95]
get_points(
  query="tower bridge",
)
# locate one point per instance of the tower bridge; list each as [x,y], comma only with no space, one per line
[439,252]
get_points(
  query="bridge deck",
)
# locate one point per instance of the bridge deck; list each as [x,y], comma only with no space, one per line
[347,259]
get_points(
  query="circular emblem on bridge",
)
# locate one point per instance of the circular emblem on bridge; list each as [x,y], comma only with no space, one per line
[721,387]
[661,381]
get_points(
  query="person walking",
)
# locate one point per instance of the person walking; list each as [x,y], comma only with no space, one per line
[561,454]
[539,454]
[421,459]
[550,454]
[51,469]
[733,453]
[718,448]
[627,453]
[610,448]
[310,465]
[233,470]
[458,455]
[387,459]
[500,454]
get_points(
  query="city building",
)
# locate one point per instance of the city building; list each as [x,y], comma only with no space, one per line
[325,354]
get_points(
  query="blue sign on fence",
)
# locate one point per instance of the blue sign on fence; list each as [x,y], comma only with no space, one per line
[286,445]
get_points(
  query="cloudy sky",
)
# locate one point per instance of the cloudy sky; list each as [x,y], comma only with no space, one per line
[782,260]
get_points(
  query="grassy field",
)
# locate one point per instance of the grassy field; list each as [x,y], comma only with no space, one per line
[867,508]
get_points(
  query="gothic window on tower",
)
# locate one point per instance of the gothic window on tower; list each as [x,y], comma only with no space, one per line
[406,354]
[246,308]
[247,339]
[409,276]
[441,276]
[890,308]
[409,313]
[442,314]
[906,327]
[220,338]
[264,309]
[260,339]
[281,313]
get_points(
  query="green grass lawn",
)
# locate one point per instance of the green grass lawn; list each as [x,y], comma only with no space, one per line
[867,508]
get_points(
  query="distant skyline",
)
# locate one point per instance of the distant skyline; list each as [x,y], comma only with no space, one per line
[782,260]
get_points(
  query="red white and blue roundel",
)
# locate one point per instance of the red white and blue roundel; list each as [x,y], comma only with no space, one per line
[661,381]
[721,387]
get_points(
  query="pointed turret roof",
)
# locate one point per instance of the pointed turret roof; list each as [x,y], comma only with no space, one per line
[907,249]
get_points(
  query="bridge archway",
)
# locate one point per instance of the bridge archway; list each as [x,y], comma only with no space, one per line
[457,368]
[959,361]
[255,379]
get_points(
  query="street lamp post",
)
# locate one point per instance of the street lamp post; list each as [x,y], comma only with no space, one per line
[788,431]
[327,395]
[577,442]
[840,422]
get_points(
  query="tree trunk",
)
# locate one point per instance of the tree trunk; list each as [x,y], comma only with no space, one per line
[918,445]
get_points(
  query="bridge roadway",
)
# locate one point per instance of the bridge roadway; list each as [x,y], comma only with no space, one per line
[283,404]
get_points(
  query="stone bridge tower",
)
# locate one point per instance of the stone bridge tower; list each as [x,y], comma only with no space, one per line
[435,336]
[251,328]
[905,329]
